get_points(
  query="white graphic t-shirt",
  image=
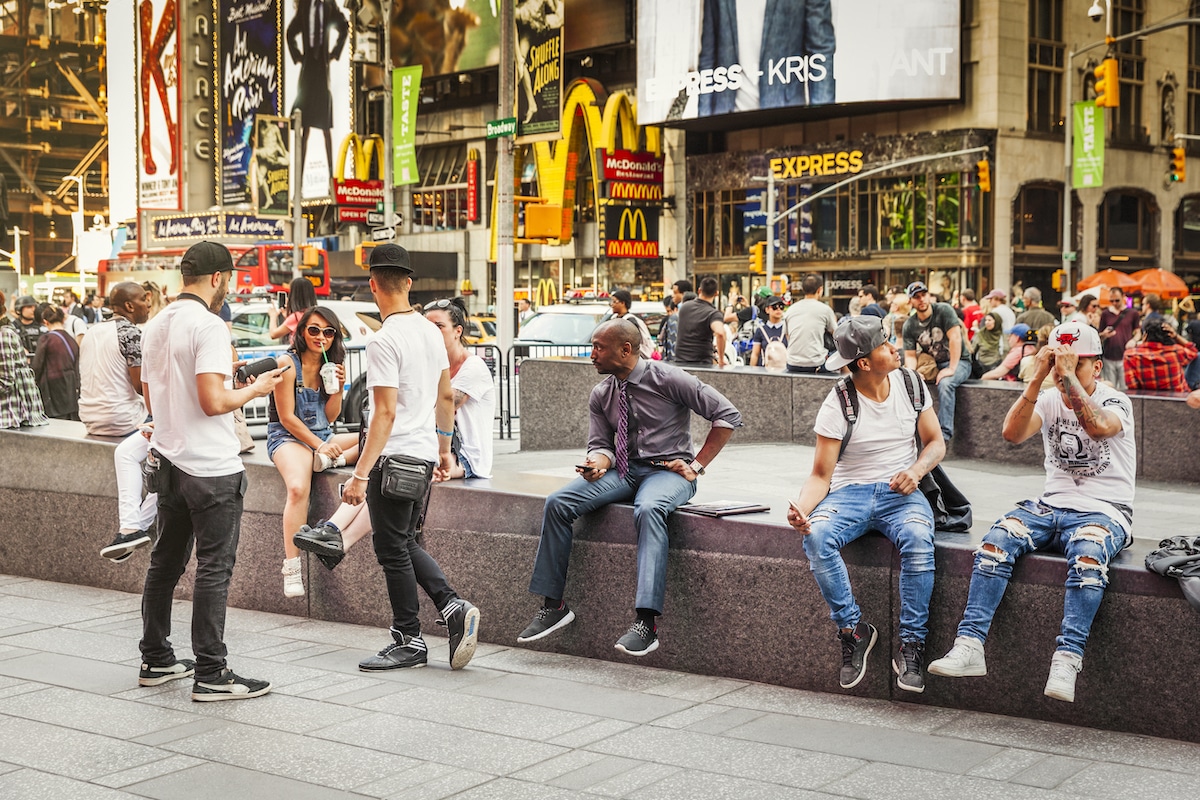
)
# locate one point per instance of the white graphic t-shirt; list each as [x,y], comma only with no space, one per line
[1083,474]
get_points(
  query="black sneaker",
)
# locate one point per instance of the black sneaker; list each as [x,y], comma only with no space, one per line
[640,640]
[228,686]
[123,546]
[324,541]
[909,666]
[462,624]
[155,676]
[856,646]
[411,653]
[547,621]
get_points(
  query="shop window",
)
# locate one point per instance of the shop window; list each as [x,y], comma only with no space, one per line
[896,213]
[1127,223]
[440,201]
[1037,218]
[1127,124]
[1187,227]
[1045,74]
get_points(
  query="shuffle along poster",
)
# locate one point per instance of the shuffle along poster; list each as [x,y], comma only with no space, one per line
[539,69]
[251,67]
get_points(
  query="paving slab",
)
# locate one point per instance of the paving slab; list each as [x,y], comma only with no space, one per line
[73,672]
[206,781]
[30,784]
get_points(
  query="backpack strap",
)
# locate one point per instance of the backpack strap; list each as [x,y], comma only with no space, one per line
[913,384]
[848,402]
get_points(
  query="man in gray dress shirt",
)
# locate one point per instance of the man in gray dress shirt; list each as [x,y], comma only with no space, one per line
[639,449]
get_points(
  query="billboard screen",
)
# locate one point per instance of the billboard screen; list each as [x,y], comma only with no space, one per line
[446,37]
[317,81]
[158,104]
[250,70]
[706,58]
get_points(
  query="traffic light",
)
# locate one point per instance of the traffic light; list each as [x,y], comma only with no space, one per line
[983,175]
[1108,84]
[1057,279]
[1178,168]
[757,253]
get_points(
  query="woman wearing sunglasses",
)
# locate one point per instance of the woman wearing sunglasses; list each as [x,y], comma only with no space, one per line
[299,438]
[474,393]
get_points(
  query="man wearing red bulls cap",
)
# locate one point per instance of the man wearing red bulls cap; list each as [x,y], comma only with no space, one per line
[1085,510]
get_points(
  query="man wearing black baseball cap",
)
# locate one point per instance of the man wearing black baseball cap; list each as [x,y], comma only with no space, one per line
[411,425]
[865,476]
[936,331]
[187,375]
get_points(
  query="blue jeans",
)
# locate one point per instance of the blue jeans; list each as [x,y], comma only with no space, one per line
[847,514]
[1192,374]
[947,392]
[208,512]
[1033,525]
[655,493]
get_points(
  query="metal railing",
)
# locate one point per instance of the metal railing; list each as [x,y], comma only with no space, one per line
[511,382]
[355,387]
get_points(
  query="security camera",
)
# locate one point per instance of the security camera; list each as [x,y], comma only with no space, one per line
[1095,13]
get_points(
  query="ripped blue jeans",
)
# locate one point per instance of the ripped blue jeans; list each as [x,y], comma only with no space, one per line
[1034,525]
[847,514]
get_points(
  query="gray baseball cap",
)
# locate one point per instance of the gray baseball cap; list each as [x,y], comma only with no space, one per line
[856,337]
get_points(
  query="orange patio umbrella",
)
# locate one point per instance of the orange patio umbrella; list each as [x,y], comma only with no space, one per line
[1112,278]
[1165,284]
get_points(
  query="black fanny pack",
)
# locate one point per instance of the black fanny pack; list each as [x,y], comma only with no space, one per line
[405,478]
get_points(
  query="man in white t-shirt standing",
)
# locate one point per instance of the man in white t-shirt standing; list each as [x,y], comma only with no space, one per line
[412,416]
[187,381]
[110,404]
[865,477]
[1085,511]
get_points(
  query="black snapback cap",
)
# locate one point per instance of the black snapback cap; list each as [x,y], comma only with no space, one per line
[205,258]
[392,256]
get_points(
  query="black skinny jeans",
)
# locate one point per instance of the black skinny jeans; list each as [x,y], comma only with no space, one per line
[208,512]
[405,563]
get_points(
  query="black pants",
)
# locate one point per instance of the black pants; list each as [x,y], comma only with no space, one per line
[208,512]
[819,370]
[405,564]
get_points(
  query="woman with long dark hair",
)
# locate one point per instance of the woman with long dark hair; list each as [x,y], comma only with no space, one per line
[55,364]
[474,392]
[300,440]
[301,297]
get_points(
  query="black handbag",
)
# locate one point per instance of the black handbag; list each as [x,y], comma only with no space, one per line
[405,478]
[951,509]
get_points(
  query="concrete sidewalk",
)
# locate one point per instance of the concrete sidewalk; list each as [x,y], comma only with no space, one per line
[515,724]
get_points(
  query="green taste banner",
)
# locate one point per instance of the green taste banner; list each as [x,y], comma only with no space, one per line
[406,88]
[1089,146]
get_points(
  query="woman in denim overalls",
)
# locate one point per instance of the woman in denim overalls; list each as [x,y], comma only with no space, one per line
[299,439]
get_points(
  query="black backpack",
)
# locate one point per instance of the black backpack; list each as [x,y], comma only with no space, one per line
[951,509]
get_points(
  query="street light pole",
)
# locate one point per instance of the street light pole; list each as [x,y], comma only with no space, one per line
[298,195]
[77,228]
[505,318]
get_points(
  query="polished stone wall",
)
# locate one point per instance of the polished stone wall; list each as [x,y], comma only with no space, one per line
[778,407]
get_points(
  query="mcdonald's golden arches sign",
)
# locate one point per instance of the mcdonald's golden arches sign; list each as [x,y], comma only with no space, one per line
[630,232]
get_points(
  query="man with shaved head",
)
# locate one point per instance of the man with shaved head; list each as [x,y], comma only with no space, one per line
[640,450]
[110,404]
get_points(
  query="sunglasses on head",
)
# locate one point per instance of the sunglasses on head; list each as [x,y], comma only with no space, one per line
[437,304]
[315,330]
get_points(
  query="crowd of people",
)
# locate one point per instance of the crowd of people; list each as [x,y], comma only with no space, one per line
[164,379]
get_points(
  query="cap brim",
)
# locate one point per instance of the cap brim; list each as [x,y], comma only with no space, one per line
[836,361]
[402,267]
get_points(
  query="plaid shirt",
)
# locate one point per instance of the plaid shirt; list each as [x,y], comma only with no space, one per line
[1151,365]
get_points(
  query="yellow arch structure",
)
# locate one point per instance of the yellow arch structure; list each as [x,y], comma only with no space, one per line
[363,152]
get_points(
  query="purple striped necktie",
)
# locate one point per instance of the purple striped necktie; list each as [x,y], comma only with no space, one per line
[622,443]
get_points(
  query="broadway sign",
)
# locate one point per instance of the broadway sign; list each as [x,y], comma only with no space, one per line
[630,232]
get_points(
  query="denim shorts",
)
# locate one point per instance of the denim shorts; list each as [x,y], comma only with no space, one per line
[277,435]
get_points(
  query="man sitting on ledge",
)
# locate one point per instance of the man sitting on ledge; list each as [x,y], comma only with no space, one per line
[1085,510]
[865,476]
[640,449]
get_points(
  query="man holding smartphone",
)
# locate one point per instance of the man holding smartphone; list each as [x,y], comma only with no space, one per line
[1118,324]
[187,379]
[639,449]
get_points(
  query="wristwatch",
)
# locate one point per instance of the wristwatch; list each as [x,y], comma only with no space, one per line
[696,467]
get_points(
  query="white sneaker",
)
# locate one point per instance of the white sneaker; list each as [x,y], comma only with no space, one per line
[293,581]
[1064,668]
[322,462]
[964,660]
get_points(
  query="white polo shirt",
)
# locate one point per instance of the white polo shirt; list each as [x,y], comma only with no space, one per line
[408,354]
[184,341]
